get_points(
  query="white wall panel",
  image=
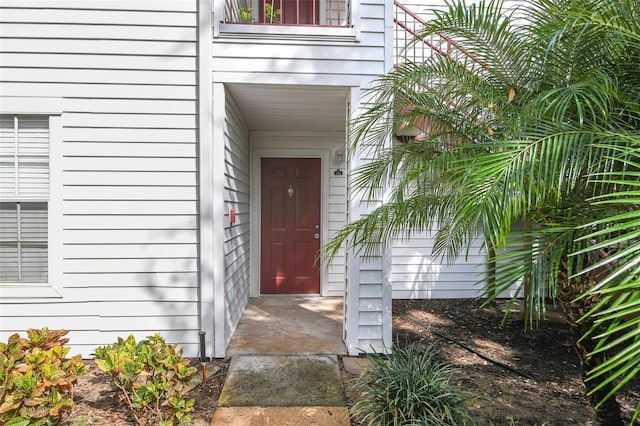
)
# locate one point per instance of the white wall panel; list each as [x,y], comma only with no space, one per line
[22,13]
[102,5]
[98,62]
[112,47]
[97,32]
[150,178]
[124,73]
[237,235]
[82,134]
[90,90]
[129,149]
[417,273]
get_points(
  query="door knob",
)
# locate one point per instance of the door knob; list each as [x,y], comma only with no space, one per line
[316,236]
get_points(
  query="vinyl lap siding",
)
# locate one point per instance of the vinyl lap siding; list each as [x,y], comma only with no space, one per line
[372,310]
[237,235]
[337,219]
[417,274]
[126,75]
[290,59]
[425,9]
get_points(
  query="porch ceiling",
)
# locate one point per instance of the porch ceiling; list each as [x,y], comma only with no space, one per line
[292,108]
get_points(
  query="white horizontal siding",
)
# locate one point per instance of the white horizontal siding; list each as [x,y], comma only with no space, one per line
[131,251]
[148,178]
[98,62]
[237,235]
[137,236]
[171,78]
[115,281]
[81,134]
[125,163]
[32,44]
[102,5]
[129,149]
[416,273]
[125,74]
[134,265]
[104,31]
[426,8]
[22,13]
[120,193]
[89,90]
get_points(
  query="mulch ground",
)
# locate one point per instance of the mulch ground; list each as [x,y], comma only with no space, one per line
[516,377]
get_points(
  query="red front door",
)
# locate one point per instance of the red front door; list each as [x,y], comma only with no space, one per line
[290,225]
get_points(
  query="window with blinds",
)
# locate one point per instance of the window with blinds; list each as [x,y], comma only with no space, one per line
[24,196]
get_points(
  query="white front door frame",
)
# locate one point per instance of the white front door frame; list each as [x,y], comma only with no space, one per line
[256,155]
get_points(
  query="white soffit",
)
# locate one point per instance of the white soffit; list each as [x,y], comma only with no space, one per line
[292,108]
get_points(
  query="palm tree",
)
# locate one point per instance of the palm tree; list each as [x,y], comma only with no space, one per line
[530,141]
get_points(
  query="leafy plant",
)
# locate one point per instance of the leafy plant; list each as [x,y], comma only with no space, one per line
[271,15]
[409,387]
[36,378]
[529,142]
[151,376]
[246,15]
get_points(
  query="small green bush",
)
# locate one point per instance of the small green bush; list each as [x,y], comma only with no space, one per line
[151,376]
[409,387]
[36,378]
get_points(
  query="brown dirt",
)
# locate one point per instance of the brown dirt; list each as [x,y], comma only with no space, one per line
[97,403]
[554,395]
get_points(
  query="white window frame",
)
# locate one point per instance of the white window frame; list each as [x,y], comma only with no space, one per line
[51,107]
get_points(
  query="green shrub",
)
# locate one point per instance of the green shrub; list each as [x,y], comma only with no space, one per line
[409,387]
[151,376]
[36,378]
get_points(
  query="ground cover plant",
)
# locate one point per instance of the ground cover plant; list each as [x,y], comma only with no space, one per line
[37,379]
[152,377]
[410,387]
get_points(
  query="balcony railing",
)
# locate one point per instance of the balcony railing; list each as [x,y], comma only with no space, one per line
[330,13]
[407,45]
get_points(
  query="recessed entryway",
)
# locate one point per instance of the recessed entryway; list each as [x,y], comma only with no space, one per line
[290,325]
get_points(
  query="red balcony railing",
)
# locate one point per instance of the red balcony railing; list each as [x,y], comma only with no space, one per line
[332,13]
[407,45]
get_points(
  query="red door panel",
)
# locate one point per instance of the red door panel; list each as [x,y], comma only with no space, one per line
[290,221]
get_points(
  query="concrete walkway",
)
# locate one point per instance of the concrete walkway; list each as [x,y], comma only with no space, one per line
[290,325]
[284,365]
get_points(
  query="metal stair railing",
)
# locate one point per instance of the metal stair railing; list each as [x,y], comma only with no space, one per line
[407,44]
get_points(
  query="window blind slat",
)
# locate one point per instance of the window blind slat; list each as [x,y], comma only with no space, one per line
[7,180]
[34,262]
[32,156]
[33,224]
[8,262]
[24,224]
[8,222]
